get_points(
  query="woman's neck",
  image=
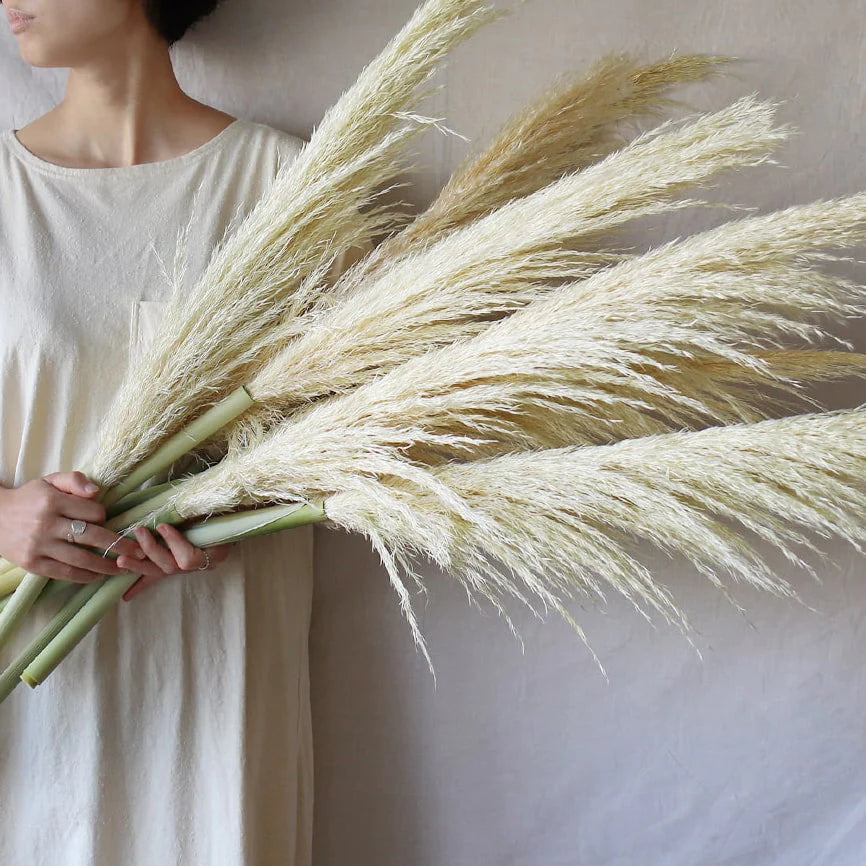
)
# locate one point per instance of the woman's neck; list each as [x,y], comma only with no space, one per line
[123,108]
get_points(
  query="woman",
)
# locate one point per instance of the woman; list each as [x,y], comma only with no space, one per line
[179,730]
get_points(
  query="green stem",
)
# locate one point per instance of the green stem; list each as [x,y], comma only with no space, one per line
[11,580]
[12,675]
[19,603]
[136,498]
[185,440]
[21,589]
[207,533]
[150,511]
[54,587]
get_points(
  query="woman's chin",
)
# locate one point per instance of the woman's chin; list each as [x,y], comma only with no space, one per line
[36,52]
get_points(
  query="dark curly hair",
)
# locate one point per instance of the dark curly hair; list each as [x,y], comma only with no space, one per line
[172,19]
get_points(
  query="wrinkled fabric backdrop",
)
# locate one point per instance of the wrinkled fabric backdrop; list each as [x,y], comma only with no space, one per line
[752,756]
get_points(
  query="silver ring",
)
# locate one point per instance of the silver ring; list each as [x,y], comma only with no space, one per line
[76,528]
[206,565]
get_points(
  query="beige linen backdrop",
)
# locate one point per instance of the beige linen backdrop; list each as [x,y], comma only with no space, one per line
[753,756]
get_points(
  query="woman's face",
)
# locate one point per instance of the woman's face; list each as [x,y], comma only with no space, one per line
[72,32]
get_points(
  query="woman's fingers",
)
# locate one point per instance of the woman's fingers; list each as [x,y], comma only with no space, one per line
[99,537]
[107,541]
[219,552]
[76,508]
[186,558]
[76,483]
[161,563]
[156,553]
[40,538]
[186,555]
[80,557]
[144,567]
[53,568]
[74,496]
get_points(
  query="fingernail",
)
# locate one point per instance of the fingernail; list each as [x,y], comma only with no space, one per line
[90,487]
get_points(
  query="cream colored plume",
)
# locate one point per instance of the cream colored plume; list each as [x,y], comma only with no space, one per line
[575,122]
[273,264]
[596,360]
[566,522]
[587,362]
[592,355]
[776,387]
[502,261]
[568,354]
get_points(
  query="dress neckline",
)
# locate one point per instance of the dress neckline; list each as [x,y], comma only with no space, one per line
[139,169]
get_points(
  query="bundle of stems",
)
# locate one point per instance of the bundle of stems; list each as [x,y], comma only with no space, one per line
[209,325]
[492,337]
[722,294]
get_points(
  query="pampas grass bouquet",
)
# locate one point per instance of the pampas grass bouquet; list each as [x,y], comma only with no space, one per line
[495,384]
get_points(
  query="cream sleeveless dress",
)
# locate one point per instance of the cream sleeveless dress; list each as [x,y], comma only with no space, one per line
[178,731]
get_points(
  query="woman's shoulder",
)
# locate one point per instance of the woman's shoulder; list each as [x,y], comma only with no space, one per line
[280,140]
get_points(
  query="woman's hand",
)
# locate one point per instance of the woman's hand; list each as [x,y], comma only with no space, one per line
[179,557]
[36,518]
